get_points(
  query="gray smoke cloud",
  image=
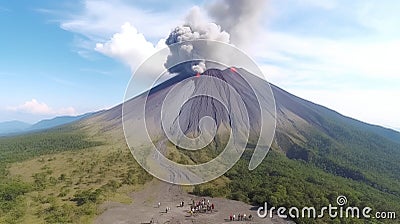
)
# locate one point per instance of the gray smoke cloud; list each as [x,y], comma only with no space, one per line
[240,18]
[236,22]
[196,27]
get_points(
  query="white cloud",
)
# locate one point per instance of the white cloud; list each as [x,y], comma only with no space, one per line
[358,79]
[39,108]
[100,19]
[116,29]
[355,72]
[129,46]
[321,58]
[381,16]
[372,106]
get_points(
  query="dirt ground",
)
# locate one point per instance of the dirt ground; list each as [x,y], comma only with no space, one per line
[145,208]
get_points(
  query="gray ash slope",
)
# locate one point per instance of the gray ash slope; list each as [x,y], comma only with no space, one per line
[213,87]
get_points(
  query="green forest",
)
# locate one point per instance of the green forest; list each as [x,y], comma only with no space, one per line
[90,172]
[62,175]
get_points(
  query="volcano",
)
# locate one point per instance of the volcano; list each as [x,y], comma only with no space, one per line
[316,154]
[305,131]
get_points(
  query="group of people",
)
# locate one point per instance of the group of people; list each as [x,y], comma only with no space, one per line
[240,217]
[204,206]
[201,206]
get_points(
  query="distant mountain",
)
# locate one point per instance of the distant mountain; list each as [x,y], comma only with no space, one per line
[57,121]
[13,126]
[18,127]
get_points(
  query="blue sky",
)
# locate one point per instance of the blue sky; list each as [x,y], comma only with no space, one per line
[56,56]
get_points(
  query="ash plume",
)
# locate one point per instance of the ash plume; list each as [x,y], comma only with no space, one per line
[196,27]
[240,18]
